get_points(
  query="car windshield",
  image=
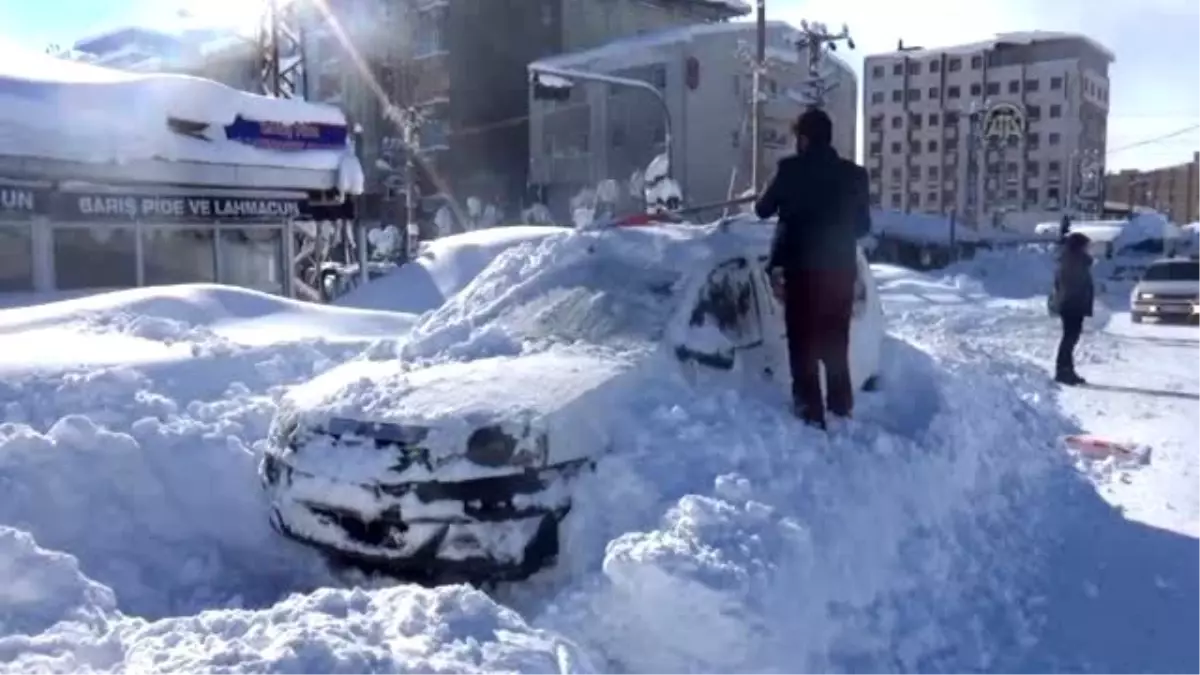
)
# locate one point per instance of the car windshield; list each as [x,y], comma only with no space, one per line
[610,289]
[1175,270]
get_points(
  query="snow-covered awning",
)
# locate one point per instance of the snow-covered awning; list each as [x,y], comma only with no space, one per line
[54,110]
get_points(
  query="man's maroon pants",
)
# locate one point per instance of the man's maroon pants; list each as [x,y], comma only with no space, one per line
[818,304]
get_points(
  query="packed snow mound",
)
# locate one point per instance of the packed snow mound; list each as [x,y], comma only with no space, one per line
[1017,273]
[613,287]
[171,322]
[73,111]
[444,268]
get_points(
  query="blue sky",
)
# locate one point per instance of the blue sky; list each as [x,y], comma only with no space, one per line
[1155,80]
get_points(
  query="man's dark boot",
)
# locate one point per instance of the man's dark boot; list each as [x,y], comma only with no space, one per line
[815,420]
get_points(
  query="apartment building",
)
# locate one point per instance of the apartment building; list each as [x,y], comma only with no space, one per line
[1173,190]
[463,63]
[598,131]
[927,147]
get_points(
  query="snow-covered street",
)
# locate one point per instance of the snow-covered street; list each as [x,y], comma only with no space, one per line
[945,529]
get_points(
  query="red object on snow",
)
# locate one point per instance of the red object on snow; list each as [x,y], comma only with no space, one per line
[1096,447]
[639,219]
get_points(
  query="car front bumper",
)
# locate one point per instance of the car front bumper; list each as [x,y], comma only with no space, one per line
[494,528]
[1173,308]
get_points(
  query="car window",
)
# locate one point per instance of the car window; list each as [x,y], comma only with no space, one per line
[1176,270]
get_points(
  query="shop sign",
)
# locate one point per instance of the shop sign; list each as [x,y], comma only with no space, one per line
[1003,121]
[20,202]
[283,136]
[170,208]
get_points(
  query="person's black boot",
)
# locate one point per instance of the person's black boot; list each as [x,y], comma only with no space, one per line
[1067,379]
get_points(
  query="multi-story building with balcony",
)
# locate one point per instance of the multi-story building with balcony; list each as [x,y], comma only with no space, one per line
[463,64]
[599,131]
[1172,190]
[925,144]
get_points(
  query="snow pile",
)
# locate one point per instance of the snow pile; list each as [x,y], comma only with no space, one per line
[940,530]
[1146,231]
[444,267]
[74,111]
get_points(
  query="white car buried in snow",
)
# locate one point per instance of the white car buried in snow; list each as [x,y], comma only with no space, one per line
[439,468]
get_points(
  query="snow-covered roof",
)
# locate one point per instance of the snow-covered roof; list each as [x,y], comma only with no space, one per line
[1022,37]
[624,48]
[69,111]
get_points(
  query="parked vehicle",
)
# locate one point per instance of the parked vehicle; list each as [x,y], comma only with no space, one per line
[1169,289]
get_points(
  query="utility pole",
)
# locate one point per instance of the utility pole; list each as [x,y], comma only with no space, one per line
[282,70]
[760,58]
[815,41]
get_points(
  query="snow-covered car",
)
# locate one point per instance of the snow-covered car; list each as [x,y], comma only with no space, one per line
[441,468]
[1170,289]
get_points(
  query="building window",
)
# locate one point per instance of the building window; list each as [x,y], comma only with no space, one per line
[933,173]
[429,36]
[1013,141]
[898,69]
[895,199]
[914,200]
[177,255]
[1014,86]
[954,65]
[1032,169]
[916,173]
[253,257]
[953,91]
[1052,194]
[950,119]
[896,174]
[914,95]
[876,148]
[993,88]
[1054,166]
[915,120]
[16,257]
[931,199]
[1033,140]
[876,123]
[1055,138]
[874,173]
[897,96]
[1011,168]
[896,147]
[933,119]
[976,89]
[931,146]
[1056,83]
[933,93]
[914,67]
[897,121]
[976,62]
[1033,112]
[1055,111]
[1031,196]
[96,256]
[877,72]
[877,97]
[1010,194]
[1032,85]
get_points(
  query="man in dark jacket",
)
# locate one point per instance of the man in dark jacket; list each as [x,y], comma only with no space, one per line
[823,206]
[1074,296]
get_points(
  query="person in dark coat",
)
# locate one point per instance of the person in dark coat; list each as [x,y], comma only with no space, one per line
[1064,226]
[1074,294]
[823,204]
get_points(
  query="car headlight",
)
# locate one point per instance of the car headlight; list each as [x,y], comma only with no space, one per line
[491,446]
[1145,296]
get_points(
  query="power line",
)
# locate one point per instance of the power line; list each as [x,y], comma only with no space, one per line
[1156,139]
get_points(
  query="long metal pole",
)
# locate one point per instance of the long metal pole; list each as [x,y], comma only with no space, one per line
[624,82]
[760,57]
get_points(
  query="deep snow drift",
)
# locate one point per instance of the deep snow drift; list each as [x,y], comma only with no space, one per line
[943,529]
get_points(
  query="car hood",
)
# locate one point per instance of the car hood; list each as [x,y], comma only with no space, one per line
[1183,287]
[553,404]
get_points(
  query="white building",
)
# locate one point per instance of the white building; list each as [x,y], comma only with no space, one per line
[605,132]
[924,118]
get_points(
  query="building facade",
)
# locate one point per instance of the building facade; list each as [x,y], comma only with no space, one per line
[462,63]
[599,131]
[930,145]
[1172,190]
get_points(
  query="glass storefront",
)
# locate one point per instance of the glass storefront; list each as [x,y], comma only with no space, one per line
[16,257]
[178,255]
[94,256]
[253,257]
